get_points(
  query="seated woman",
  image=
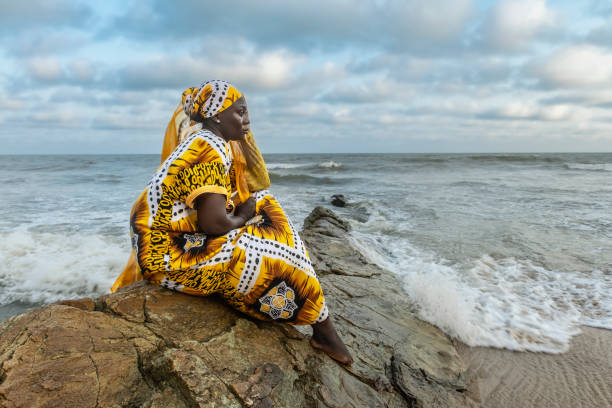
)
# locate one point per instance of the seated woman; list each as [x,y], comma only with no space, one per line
[196,228]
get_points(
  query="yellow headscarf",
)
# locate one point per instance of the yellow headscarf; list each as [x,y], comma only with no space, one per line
[209,99]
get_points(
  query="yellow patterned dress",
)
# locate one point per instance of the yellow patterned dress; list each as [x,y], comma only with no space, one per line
[261,269]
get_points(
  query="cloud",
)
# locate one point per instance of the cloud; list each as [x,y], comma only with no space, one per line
[421,24]
[123,121]
[21,15]
[371,91]
[63,118]
[581,97]
[513,24]
[253,71]
[532,111]
[576,66]
[46,69]
[51,71]
[82,70]
[602,35]
[300,26]
[44,42]
[601,7]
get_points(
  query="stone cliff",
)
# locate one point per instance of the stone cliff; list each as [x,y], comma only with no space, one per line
[149,347]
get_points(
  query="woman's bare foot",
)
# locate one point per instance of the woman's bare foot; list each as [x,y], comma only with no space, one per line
[326,339]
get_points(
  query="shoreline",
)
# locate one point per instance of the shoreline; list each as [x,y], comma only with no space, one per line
[580,377]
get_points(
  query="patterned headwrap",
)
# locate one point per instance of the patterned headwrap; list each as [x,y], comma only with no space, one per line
[212,97]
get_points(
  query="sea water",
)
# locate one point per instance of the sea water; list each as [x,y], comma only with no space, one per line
[503,250]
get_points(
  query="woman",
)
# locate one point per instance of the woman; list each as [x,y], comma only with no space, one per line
[197,229]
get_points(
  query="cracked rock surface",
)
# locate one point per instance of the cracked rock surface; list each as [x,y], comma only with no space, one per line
[145,346]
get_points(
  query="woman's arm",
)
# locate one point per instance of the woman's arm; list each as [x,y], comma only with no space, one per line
[214,220]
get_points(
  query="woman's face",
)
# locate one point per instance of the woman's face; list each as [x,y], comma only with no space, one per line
[234,121]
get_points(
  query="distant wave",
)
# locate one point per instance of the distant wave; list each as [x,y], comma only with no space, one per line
[96,179]
[328,165]
[274,166]
[303,178]
[331,165]
[518,158]
[589,166]
[49,166]
[481,159]
[470,184]
[424,159]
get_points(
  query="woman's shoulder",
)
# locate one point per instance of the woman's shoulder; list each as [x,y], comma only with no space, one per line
[204,146]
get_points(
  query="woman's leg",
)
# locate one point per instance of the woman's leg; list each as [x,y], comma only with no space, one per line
[326,339]
[273,278]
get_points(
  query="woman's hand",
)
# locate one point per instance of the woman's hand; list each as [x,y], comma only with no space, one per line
[214,220]
[246,210]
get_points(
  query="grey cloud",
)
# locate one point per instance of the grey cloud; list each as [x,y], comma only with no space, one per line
[371,92]
[601,7]
[593,99]
[21,15]
[515,27]
[117,121]
[467,69]
[160,73]
[251,71]
[534,112]
[601,35]
[45,42]
[49,71]
[400,24]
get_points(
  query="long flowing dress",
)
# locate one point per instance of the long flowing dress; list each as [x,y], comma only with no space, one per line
[261,269]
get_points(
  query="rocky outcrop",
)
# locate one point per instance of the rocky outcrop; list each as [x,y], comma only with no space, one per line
[149,347]
[338,200]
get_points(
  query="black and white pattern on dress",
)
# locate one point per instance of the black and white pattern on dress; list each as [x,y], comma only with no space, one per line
[134,239]
[154,192]
[172,285]
[220,146]
[224,255]
[258,195]
[256,248]
[323,314]
[180,210]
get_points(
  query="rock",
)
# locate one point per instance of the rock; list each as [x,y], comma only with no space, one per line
[85,303]
[146,346]
[338,200]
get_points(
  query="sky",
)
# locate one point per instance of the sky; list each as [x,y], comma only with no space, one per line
[319,76]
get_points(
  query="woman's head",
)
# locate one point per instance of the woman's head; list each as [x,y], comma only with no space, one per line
[220,107]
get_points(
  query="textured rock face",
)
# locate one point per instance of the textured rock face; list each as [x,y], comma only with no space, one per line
[148,347]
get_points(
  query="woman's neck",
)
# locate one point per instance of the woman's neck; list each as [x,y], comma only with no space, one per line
[214,129]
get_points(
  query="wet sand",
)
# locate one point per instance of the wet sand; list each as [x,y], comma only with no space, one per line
[581,377]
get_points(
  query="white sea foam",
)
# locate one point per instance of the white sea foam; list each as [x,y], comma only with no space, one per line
[505,303]
[331,165]
[46,267]
[592,167]
[283,166]
[273,166]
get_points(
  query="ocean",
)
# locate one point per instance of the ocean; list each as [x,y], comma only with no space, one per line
[502,250]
